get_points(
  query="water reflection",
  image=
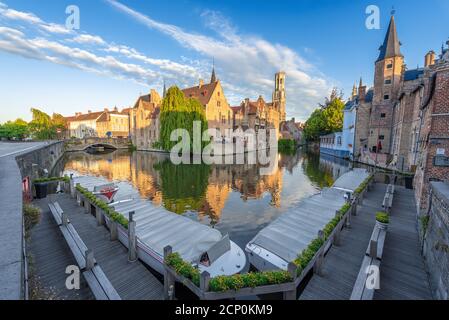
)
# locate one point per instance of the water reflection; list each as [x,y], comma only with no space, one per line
[236,199]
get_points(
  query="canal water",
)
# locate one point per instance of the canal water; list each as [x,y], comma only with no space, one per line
[235,199]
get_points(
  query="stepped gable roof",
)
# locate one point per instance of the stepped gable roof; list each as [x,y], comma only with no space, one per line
[203,93]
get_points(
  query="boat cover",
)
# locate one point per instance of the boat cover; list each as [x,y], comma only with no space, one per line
[157,227]
[292,232]
[351,180]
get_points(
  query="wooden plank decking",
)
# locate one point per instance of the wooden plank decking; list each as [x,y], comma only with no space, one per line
[132,281]
[402,273]
[342,264]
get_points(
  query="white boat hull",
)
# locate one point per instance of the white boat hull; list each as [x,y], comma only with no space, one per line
[264,260]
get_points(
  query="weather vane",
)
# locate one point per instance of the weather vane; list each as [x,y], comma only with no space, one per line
[393,11]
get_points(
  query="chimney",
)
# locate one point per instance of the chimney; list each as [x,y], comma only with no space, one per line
[429,59]
[115,109]
[106,110]
[89,111]
[201,83]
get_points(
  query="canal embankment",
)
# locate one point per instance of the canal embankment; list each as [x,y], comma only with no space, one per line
[19,164]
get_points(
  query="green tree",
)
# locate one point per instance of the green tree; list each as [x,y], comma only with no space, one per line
[17,129]
[177,112]
[326,119]
[42,126]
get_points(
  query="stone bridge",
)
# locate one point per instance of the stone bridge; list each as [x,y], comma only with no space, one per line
[83,144]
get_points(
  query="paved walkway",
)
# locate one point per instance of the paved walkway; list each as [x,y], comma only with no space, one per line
[133,281]
[11,219]
[402,272]
[342,264]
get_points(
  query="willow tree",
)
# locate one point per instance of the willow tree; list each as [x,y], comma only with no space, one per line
[177,112]
[42,126]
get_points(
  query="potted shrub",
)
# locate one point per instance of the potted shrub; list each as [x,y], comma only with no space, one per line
[382,220]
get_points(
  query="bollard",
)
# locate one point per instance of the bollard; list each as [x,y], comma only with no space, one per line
[132,248]
[317,268]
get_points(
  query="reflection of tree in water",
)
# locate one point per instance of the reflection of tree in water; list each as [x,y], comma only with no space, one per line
[320,175]
[183,186]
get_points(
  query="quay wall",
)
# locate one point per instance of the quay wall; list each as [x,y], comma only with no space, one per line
[16,175]
[436,240]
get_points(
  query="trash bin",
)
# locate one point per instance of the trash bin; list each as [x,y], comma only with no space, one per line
[41,190]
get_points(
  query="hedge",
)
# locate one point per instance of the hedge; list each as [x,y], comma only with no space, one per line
[52,179]
[363,185]
[111,213]
[382,217]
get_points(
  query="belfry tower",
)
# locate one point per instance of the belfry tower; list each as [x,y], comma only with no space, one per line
[279,94]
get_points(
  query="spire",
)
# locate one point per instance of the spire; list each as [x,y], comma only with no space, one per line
[354,90]
[391,46]
[360,83]
[213,78]
[165,90]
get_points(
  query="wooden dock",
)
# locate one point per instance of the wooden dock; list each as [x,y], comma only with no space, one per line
[132,281]
[402,274]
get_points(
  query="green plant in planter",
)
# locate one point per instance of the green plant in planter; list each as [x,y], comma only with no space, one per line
[383,217]
[108,211]
[52,179]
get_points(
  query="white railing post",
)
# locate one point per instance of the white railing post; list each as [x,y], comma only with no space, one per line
[113,230]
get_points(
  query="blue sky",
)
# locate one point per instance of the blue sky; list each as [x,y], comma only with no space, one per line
[124,48]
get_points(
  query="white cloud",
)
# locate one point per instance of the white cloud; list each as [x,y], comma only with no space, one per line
[247,61]
[32,19]
[87,38]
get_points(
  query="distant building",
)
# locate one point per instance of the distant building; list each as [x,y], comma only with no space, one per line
[291,130]
[145,122]
[216,107]
[332,144]
[262,115]
[104,123]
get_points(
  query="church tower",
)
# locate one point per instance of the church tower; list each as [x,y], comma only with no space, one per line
[279,94]
[389,68]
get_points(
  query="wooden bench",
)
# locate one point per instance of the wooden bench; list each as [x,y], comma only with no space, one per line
[370,264]
[387,203]
[99,284]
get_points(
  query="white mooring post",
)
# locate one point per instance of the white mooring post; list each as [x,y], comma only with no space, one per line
[169,280]
[132,248]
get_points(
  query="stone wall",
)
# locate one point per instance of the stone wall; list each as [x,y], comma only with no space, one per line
[436,240]
[39,162]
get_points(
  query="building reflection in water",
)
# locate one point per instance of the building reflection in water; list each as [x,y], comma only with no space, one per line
[206,191]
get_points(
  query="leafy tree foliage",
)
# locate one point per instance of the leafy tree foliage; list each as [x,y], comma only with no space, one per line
[177,112]
[14,130]
[43,127]
[326,119]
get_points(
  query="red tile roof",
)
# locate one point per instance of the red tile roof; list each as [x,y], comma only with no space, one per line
[203,94]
